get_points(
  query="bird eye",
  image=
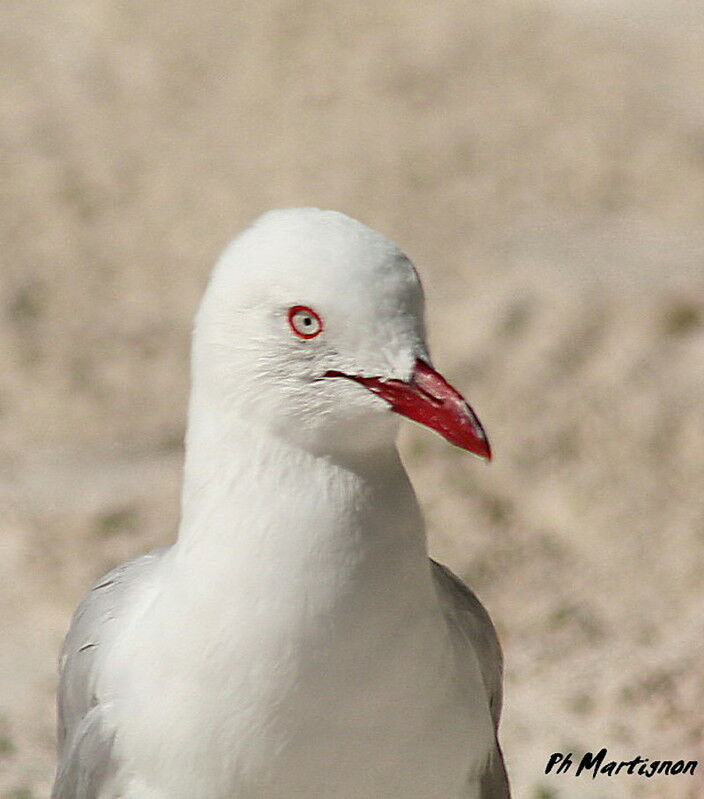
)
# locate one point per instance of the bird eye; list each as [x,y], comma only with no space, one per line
[304,322]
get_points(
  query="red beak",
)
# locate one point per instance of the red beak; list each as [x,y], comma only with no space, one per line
[429,399]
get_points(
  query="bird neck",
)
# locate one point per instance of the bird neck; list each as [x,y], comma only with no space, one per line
[283,552]
[253,497]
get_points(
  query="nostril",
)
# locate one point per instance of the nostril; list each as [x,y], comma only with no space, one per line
[437,401]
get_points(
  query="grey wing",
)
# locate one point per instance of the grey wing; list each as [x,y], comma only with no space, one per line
[85,763]
[467,614]
[87,766]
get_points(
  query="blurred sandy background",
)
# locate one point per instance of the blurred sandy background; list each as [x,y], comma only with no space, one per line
[543,164]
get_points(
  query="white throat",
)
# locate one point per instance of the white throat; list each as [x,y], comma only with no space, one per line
[342,515]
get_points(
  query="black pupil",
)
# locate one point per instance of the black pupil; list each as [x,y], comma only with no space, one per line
[307,321]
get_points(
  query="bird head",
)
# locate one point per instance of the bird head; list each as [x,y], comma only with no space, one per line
[312,328]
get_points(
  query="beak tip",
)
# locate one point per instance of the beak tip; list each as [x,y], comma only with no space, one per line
[480,448]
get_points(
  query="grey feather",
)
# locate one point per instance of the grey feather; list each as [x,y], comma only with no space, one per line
[471,620]
[494,784]
[87,765]
[86,762]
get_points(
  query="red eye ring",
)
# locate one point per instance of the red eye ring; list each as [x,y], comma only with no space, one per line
[304,321]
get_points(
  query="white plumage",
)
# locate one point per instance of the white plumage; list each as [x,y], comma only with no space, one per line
[295,641]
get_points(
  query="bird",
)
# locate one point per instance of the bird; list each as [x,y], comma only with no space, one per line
[295,640]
